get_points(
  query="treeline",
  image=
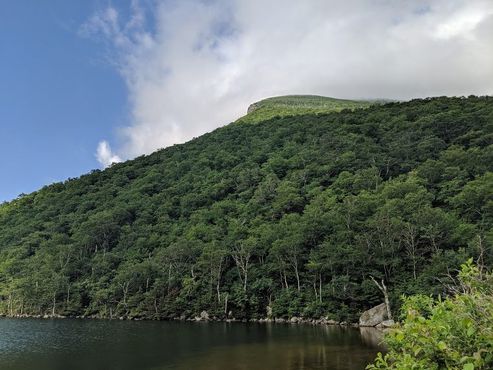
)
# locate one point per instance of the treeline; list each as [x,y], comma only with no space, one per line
[293,215]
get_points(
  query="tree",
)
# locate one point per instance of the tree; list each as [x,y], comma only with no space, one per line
[288,249]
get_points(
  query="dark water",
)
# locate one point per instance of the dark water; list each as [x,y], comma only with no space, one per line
[29,344]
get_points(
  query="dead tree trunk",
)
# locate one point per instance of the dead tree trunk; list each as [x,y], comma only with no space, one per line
[226,303]
[54,304]
[385,292]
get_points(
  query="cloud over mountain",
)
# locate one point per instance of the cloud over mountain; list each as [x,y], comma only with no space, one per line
[192,65]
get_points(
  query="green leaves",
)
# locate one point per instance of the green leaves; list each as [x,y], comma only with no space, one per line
[453,334]
[294,212]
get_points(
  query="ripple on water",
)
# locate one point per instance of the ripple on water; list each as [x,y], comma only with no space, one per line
[32,344]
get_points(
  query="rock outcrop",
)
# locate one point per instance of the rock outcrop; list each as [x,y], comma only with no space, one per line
[253,107]
[374,316]
[204,316]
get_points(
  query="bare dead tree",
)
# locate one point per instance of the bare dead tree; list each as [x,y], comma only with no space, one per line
[383,289]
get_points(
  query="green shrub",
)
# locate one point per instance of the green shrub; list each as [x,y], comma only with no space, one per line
[453,333]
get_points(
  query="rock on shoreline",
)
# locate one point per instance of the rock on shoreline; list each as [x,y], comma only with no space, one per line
[376,317]
[205,317]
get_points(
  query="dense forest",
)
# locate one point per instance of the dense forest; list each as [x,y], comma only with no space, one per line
[294,215]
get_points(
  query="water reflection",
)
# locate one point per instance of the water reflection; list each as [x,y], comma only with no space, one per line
[324,347]
[371,336]
[85,344]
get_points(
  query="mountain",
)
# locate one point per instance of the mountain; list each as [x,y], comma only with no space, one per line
[290,215]
[295,105]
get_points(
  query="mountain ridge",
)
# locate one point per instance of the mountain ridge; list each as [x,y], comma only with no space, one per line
[290,105]
[290,216]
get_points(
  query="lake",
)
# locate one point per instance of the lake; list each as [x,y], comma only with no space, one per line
[66,344]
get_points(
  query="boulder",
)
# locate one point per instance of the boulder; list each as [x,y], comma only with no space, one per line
[204,316]
[294,320]
[386,324]
[374,316]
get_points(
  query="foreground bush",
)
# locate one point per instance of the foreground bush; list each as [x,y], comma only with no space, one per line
[454,333]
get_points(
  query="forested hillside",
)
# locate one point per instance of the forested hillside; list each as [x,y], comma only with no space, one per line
[295,213]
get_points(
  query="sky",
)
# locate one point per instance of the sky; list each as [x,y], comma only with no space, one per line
[87,83]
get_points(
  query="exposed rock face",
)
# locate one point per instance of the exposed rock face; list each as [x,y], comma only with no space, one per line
[204,316]
[374,316]
[252,107]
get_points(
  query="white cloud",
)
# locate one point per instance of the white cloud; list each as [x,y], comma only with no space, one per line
[464,22]
[105,156]
[197,64]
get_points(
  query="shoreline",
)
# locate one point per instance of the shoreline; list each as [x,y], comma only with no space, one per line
[293,320]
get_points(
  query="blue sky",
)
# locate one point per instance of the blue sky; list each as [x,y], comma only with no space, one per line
[84,83]
[58,94]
